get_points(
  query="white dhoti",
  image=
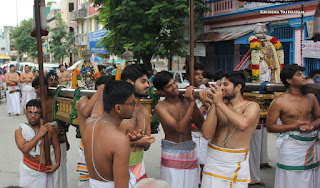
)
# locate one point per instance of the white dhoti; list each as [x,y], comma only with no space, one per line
[27,94]
[110,184]
[201,146]
[254,159]
[13,99]
[30,178]
[226,168]
[298,160]
[264,146]
[82,169]
[60,175]
[179,164]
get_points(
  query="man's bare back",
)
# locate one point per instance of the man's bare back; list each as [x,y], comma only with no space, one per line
[105,134]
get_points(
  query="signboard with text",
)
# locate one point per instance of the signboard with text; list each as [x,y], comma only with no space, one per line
[199,49]
[94,38]
[310,49]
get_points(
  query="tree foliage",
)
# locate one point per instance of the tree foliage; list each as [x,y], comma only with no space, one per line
[61,42]
[148,27]
[23,42]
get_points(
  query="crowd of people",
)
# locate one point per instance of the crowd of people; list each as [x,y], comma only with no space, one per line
[207,138]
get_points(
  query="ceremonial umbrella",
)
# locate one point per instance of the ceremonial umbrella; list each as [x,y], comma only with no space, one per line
[96,59]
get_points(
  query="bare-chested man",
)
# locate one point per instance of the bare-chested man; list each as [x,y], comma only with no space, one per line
[230,124]
[60,175]
[298,154]
[137,75]
[13,93]
[29,139]
[26,79]
[179,163]
[64,76]
[92,107]
[107,149]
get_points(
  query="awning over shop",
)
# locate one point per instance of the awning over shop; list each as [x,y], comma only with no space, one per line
[227,33]
[2,56]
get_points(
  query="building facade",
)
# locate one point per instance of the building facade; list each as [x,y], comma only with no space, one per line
[230,22]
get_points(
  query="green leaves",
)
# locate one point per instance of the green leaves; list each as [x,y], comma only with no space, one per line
[23,42]
[61,42]
[151,27]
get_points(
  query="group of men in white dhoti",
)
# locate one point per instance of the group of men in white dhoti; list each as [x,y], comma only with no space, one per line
[224,120]
[12,80]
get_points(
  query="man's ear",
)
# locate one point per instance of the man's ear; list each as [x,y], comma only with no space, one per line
[117,108]
[238,88]
[130,81]
[289,81]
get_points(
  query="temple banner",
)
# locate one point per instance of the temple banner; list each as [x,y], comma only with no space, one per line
[310,49]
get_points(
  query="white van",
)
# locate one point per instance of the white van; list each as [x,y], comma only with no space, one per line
[49,67]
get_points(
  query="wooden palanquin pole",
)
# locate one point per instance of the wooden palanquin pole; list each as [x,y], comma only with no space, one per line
[41,78]
[191,66]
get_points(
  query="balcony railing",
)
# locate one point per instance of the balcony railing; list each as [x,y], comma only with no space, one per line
[79,14]
[81,39]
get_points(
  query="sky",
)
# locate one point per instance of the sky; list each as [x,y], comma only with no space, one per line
[8,13]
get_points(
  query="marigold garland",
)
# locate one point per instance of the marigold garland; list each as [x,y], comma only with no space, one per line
[255,54]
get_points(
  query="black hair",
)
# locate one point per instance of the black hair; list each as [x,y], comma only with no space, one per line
[288,72]
[36,82]
[313,72]
[103,80]
[161,79]
[197,66]
[116,92]
[34,102]
[26,66]
[60,65]
[51,73]
[100,67]
[134,71]
[218,75]
[12,65]
[236,77]
[208,75]
[35,71]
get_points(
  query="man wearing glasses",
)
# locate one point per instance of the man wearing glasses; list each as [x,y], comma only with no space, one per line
[29,139]
[107,149]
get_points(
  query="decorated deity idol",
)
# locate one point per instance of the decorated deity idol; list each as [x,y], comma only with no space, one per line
[266,56]
[85,73]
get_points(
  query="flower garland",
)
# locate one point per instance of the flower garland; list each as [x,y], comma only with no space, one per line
[255,55]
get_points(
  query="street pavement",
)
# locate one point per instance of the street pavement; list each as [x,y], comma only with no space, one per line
[11,156]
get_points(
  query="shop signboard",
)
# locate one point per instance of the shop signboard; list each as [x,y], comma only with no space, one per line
[94,38]
[310,49]
[199,49]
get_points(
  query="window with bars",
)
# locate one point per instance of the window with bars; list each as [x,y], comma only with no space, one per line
[311,64]
[282,32]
